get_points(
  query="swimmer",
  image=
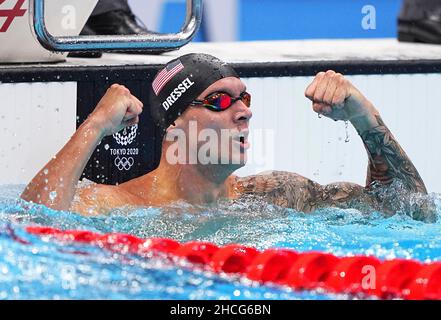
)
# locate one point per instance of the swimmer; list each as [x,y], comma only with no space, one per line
[201,88]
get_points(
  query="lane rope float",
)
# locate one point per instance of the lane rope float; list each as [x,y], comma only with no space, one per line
[356,275]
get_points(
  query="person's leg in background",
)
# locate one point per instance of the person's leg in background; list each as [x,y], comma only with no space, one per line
[420,21]
[110,17]
[114,17]
[104,6]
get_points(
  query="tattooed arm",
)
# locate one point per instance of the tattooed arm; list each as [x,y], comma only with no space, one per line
[387,160]
[335,97]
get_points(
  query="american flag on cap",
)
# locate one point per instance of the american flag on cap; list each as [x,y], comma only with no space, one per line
[166,75]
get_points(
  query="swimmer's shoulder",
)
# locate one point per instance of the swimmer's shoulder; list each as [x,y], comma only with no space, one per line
[283,188]
[269,181]
[292,190]
[97,199]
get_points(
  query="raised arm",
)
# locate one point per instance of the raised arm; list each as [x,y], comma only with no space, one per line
[335,97]
[55,184]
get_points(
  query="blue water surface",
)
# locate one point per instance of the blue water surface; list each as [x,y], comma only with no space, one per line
[36,268]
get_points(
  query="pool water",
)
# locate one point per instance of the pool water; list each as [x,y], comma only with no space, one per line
[35,268]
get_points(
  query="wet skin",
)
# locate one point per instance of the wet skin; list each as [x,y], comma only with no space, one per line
[331,95]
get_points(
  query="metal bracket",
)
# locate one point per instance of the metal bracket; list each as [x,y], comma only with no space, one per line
[143,42]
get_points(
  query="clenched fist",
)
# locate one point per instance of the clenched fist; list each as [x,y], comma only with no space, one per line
[335,97]
[117,109]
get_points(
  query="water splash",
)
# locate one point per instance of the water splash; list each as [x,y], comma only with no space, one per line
[46,269]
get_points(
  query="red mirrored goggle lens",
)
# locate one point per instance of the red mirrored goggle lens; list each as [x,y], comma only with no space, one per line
[222,101]
[219,101]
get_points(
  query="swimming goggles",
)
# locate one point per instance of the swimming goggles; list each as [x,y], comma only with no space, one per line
[220,101]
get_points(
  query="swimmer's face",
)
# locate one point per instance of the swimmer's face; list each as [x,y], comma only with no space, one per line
[222,137]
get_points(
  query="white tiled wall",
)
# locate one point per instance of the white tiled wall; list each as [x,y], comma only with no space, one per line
[36,120]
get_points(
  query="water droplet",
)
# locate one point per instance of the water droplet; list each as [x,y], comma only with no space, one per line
[52,195]
[45,171]
[347,131]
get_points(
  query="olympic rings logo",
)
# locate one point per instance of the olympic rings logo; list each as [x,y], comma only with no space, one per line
[123,163]
[124,138]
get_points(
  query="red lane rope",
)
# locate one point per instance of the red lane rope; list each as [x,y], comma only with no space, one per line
[357,275]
